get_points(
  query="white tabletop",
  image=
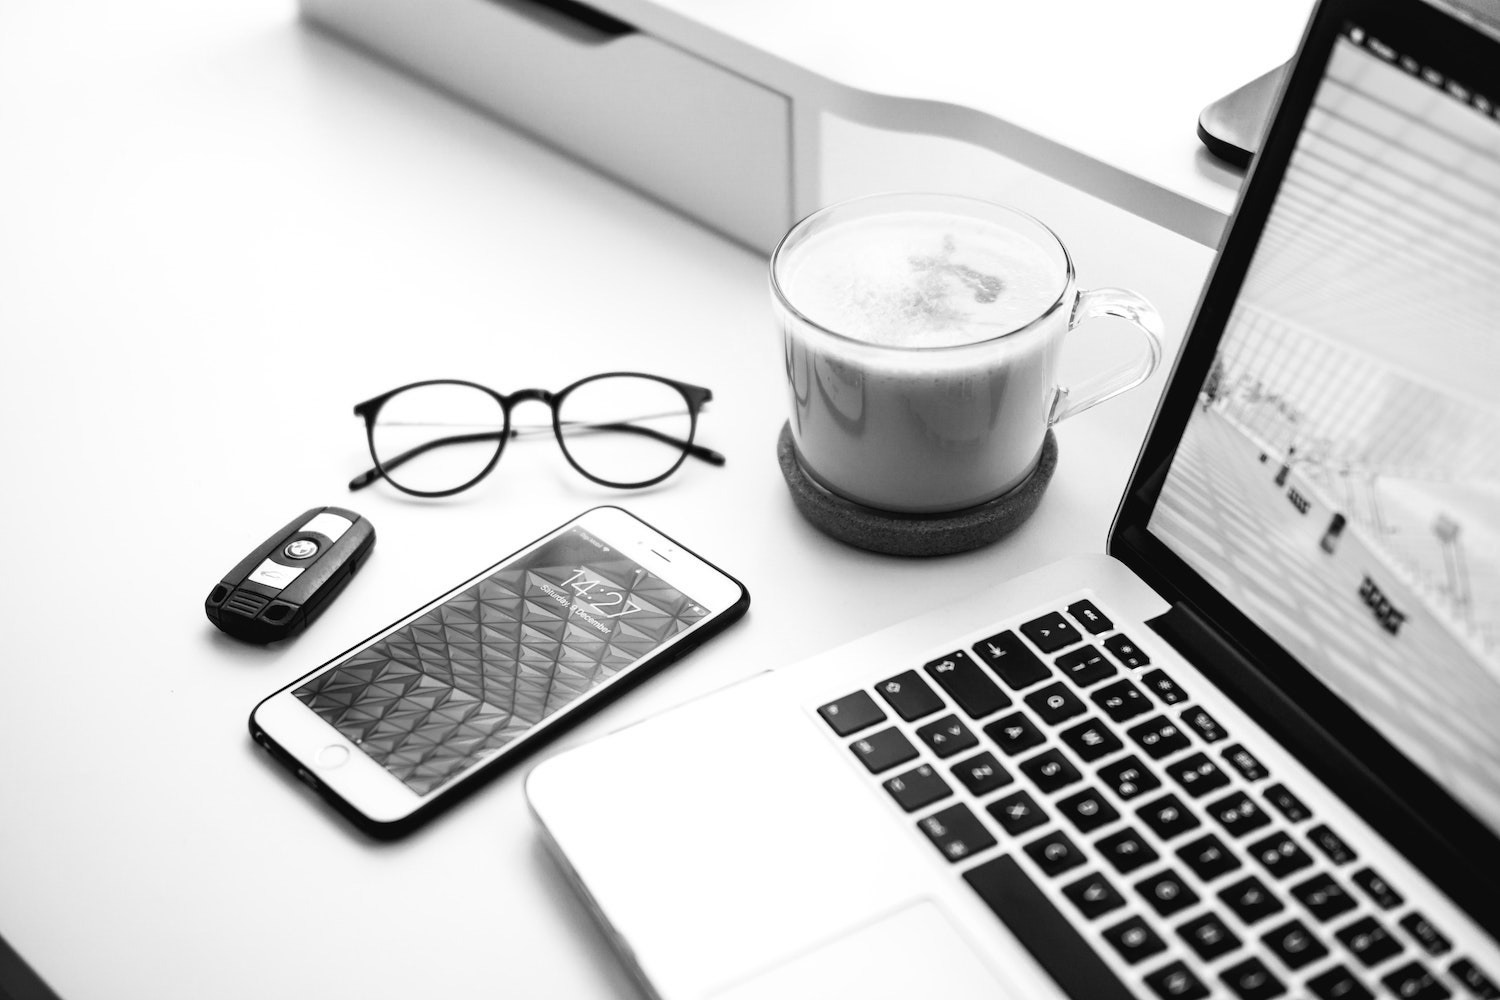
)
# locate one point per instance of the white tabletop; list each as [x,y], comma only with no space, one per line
[1104,95]
[219,231]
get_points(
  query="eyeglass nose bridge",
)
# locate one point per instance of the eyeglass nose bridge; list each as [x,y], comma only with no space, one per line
[524,395]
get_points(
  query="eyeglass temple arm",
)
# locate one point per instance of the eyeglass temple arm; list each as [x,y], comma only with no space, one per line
[696,450]
[367,477]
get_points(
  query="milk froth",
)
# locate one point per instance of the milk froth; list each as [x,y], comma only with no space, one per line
[922,279]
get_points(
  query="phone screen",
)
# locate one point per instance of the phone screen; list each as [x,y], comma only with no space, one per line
[468,676]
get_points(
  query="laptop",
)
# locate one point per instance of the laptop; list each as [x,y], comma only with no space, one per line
[1254,750]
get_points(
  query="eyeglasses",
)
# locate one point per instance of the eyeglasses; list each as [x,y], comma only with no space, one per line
[622,429]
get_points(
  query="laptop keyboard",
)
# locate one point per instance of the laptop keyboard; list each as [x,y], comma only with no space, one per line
[1124,835]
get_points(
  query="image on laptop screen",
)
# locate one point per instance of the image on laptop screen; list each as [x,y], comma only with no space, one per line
[1339,479]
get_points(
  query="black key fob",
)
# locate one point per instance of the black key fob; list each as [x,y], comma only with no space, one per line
[279,588]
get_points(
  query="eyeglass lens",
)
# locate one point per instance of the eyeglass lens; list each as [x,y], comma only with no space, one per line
[625,430]
[432,438]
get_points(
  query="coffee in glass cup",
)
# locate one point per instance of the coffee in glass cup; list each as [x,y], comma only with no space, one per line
[922,335]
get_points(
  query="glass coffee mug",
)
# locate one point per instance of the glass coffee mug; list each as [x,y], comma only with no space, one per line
[922,334]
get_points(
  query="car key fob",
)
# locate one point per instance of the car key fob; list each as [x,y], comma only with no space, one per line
[280,587]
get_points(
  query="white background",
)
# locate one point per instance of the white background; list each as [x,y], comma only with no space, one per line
[219,231]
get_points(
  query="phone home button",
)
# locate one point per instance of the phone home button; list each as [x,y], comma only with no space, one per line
[333,755]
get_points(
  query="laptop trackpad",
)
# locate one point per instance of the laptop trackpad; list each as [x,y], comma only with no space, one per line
[913,952]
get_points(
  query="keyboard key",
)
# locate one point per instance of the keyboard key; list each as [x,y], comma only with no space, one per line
[1377,888]
[1279,854]
[1331,844]
[1250,900]
[852,713]
[1429,937]
[967,685]
[1088,810]
[1051,771]
[919,787]
[1128,777]
[947,736]
[1368,941]
[1176,982]
[1015,733]
[1475,981]
[1126,651]
[1412,982]
[1017,813]
[1055,703]
[1208,857]
[956,832]
[1050,935]
[1166,893]
[1159,684]
[1051,632]
[1294,944]
[1251,980]
[1093,895]
[982,774]
[1287,804]
[1012,662]
[909,695]
[1209,936]
[1323,897]
[1055,853]
[1134,940]
[1122,701]
[1090,617]
[1338,983]
[1126,850]
[883,750]
[1197,775]
[1205,725]
[1159,737]
[1085,666]
[1168,816]
[1244,761]
[1238,814]
[1091,740]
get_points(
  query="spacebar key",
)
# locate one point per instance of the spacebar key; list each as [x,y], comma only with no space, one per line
[1046,933]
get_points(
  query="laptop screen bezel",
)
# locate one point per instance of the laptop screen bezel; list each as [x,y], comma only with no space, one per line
[1401,800]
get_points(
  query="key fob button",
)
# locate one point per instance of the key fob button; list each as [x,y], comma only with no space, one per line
[273,574]
[302,548]
[328,523]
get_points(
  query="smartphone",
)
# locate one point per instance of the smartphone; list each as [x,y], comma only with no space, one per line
[410,720]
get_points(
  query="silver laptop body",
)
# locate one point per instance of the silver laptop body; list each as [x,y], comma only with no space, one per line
[1255,750]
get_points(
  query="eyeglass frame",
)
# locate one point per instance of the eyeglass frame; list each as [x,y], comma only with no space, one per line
[694,395]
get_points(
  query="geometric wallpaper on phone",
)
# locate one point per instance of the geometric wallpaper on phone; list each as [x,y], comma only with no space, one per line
[474,673]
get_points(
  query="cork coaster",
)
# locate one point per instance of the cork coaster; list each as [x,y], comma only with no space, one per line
[914,534]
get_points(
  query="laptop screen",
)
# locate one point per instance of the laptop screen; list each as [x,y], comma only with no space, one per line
[1339,478]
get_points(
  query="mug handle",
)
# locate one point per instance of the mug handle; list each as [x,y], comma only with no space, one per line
[1126,305]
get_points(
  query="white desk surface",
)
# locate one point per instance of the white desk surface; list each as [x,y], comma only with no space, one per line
[218,231]
[1104,95]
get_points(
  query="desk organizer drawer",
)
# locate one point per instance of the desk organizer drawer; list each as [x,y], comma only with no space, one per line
[706,141]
